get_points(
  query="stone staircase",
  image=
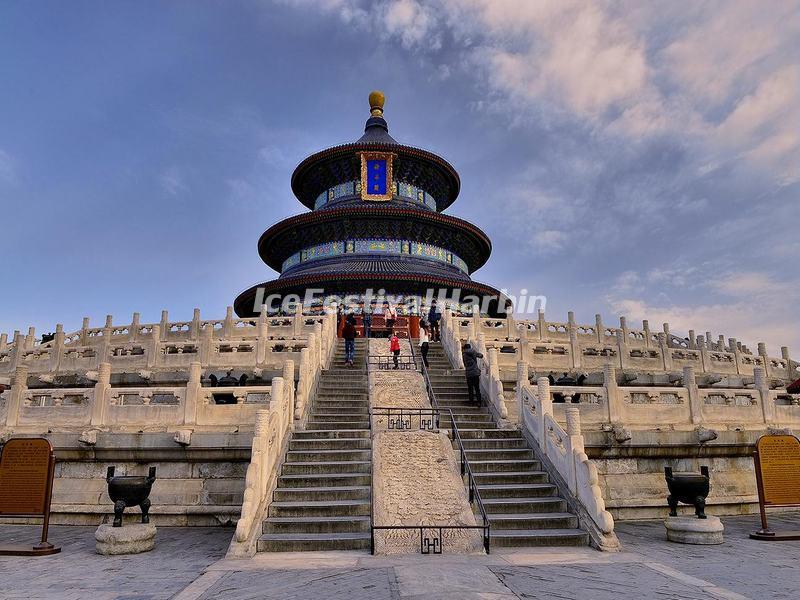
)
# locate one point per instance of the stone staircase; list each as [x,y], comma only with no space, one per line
[322,498]
[523,507]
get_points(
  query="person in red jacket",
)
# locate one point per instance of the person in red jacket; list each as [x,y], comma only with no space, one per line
[394,347]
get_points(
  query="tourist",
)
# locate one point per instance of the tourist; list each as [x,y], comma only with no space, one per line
[349,335]
[366,316]
[472,371]
[423,342]
[434,316]
[389,315]
[394,347]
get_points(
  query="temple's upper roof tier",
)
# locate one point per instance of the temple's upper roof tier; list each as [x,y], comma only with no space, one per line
[432,180]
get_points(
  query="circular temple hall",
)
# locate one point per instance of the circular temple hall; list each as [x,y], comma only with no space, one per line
[376,225]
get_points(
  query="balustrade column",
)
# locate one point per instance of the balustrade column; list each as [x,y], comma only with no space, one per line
[546,405]
[105,343]
[695,405]
[194,328]
[298,320]
[574,347]
[541,326]
[622,348]
[476,322]
[701,345]
[57,351]
[599,328]
[206,343]
[762,352]
[761,383]
[19,386]
[573,430]
[84,331]
[193,392]
[785,355]
[30,339]
[288,378]
[3,342]
[666,351]
[19,350]
[227,324]
[102,395]
[164,329]
[648,342]
[134,335]
[613,399]
[737,354]
[154,347]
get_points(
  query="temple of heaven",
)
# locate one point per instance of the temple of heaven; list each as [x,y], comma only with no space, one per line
[376,229]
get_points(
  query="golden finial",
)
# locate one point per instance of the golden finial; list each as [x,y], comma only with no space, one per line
[376,100]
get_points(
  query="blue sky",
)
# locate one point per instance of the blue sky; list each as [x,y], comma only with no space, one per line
[637,158]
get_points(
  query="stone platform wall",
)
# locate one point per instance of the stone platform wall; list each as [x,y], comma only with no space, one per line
[199,485]
[632,474]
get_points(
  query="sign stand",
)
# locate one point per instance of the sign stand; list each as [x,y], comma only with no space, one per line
[777,463]
[27,467]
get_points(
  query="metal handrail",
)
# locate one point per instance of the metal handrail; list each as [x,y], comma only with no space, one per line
[371,474]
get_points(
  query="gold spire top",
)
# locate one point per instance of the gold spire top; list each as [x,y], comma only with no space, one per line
[376,100]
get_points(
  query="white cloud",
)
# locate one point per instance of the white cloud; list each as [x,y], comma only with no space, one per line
[8,170]
[719,75]
[754,307]
[172,181]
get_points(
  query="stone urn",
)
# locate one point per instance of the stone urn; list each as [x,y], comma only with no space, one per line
[130,490]
[689,488]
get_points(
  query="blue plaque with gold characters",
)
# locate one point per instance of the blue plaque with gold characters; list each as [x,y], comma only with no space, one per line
[376,176]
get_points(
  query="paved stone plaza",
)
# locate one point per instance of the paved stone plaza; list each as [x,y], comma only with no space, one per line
[188,564]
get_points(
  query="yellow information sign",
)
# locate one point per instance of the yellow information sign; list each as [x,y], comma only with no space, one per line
[779,462]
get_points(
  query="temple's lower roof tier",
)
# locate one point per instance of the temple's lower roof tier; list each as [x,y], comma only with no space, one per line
[247,304]
[374,221]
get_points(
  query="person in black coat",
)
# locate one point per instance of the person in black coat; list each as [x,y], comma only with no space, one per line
[472,372]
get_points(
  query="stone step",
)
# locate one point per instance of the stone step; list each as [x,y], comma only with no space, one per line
[344,425]
[486,434]
[476,416]
[482,454]
[539,537]
[345,524]
[324,479]
[517,490]
[509,477]
[345,373]
[323,508]
[328,434]
[348,406]
[500,443]
[310,542]
[552,520]
[490,466]
[322,468]
[524,505]
[349,387]
[336,417]
[327,455]
[467,425]
[330,444]
[316,494]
